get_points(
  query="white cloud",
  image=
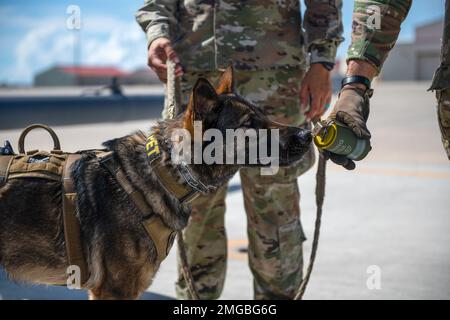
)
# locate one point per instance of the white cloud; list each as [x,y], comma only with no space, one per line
[124,45]
[104,40]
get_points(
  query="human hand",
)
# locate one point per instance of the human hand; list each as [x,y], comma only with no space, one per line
[159,51]
[317,90]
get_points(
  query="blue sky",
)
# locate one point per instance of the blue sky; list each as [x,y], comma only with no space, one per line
[33,34]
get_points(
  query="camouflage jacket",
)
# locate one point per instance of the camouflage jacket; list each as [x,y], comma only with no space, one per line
[376,26]
[255,34]
[375,29]
[441,79]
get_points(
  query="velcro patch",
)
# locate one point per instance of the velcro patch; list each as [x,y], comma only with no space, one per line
[152,148]
[38,160]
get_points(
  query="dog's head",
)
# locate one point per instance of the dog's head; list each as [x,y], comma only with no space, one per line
[222,109]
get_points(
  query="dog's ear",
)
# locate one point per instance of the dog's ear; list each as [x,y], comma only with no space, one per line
[226,82]
[202,101]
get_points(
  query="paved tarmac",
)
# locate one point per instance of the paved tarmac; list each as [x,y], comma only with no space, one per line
[390,216]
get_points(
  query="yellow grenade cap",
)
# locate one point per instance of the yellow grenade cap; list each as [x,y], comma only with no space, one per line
[327,138]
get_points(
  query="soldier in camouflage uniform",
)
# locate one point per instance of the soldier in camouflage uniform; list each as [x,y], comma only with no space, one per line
[441,83]
[265,42]
[368,51]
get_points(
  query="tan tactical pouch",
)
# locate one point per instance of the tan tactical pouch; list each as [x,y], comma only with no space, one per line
[55,166]
[35,163]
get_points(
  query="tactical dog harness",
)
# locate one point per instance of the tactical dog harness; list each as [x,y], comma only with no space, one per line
[56,166]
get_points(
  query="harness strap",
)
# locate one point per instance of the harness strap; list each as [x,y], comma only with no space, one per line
[72,232]
[5,162]
[182,193]
[106,159]
[161,235]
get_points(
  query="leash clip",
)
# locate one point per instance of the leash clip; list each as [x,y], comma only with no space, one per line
[194,183]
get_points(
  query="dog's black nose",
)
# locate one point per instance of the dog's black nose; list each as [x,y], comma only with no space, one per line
[302,137]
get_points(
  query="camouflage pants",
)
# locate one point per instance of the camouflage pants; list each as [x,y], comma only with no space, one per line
[271,202]
[443,111]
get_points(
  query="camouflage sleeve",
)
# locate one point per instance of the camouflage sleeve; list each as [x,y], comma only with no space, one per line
[375,29]
[156,18]
[323,27]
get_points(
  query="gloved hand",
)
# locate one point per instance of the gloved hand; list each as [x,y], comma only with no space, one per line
[352,109]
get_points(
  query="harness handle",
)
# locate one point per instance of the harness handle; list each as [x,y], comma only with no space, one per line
[56,145]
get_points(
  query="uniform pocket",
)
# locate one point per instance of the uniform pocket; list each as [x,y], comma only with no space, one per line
[291,237]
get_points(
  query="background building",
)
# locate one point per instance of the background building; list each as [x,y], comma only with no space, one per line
[417,60]
[92,76]
[141,76]
[77,76]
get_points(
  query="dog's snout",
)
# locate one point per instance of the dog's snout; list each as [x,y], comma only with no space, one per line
[302,137]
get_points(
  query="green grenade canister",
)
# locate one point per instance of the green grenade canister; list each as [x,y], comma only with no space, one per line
[340,139]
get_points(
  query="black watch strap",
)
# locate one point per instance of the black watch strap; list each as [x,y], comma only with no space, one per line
[355,79]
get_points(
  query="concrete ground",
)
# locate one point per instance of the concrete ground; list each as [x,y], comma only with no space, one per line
[391,215]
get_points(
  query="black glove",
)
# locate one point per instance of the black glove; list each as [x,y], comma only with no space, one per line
[339,160]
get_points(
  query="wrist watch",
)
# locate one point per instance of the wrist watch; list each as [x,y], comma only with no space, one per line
[355,79]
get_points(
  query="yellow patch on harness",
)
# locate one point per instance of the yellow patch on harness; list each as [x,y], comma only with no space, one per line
[152,147]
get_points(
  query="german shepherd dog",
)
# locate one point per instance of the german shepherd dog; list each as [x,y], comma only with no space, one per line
[121,257]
